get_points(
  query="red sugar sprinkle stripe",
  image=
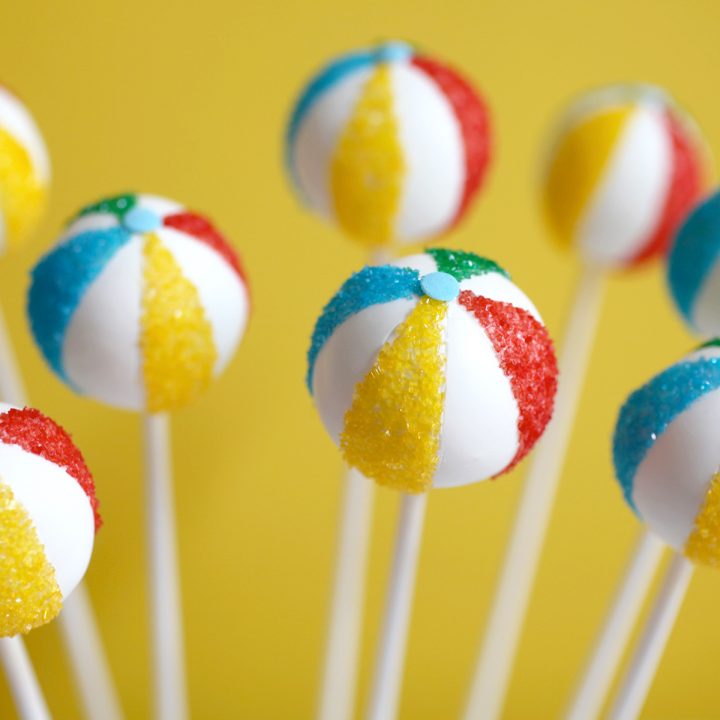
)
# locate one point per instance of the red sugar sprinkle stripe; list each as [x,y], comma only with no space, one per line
[473,117]
[38,434]
[685,189]
[526,356]
[201,229]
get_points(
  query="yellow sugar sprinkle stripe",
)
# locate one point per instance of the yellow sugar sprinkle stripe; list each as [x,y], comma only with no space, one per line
[369,166]
[22,196]
[29,593]
[392,429]
[176,338]
[578,166]
[703,545]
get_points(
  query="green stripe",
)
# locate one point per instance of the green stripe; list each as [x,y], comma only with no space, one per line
[463,265]
[117,205]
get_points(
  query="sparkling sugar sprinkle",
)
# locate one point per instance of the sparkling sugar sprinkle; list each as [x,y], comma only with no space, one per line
[703,545]
[392,429]
[177,344]
[29,593]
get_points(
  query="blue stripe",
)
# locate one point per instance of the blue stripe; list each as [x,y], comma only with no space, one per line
[694,254]
[649,410]
[370,286]
[59,282]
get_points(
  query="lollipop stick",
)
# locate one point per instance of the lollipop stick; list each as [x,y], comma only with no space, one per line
[389,664]
[24,687]
[614,637]
[77,620]
[337,695]
[166,614]
[646,658]
[507,616]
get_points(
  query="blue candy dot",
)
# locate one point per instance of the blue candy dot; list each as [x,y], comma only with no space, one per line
[141,220]
[393,51]
[440,286]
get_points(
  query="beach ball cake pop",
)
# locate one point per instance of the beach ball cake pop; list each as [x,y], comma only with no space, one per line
[433,371]
[694,268]
[24,172]
[389,143]
[140,305]
[667,454]
[48,519]
[626,166]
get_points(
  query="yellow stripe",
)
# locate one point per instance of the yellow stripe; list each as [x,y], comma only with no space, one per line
[368,167]
[703,545]
[22,196]
[177,343]
[29,593]
[577,168]
[392,430]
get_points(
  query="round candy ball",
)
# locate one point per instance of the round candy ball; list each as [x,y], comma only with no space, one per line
[389,143]
[626,166]
[48,519]
[667,454]
[24,172]
[694,268]
[433,371]
[140,305]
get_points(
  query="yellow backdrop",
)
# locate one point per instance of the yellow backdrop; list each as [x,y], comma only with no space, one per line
[189,100]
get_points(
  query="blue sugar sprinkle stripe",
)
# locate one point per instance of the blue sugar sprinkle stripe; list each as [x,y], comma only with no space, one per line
[370,286]
[321,83]
[694,254]
[649,410]
[59,282]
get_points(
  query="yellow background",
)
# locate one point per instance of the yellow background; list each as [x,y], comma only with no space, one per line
[189,100]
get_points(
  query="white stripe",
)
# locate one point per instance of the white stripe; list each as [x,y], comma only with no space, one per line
[496,286]
[101,351]
[347,357]
[672,480]
[18,122]
[627,205]
[479,435]
[222,294]
[706,310]
[434,153]
[318,137]
[58,507]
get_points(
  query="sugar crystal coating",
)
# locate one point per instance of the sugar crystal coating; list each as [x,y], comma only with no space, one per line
[703,545]
[368,167]
[29,593]
[371,286]
[392,429]
[38,434]
[177,345]
[526,356]
[463,265]
[649,410]
[117,205]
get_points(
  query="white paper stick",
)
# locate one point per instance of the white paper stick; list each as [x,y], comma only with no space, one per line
[507,616]
[337,695]
[646,658]
[77,622]
[390,661]
[166,613]
[615,634]
[24,687]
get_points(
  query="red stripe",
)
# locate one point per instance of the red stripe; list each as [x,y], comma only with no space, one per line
[525,352]
[686,187]
[473,117]
[201,229]
[38,434]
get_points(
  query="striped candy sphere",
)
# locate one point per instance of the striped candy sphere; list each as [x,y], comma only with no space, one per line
[48,519]
[625,168]
[433,371]
[140,305]
[694,268]
[24,172]
[667,454]
[390,144]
